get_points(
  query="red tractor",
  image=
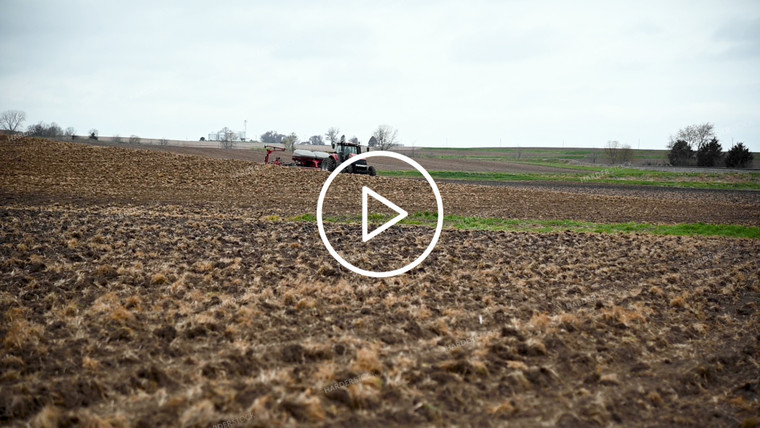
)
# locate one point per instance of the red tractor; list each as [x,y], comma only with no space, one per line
[323,160]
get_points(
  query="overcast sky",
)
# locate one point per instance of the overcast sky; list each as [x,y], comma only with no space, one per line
[456,73]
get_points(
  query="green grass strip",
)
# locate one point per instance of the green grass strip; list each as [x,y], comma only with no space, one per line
[548,226]
[618,176]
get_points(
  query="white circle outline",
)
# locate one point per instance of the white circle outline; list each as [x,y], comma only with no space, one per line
[370,273]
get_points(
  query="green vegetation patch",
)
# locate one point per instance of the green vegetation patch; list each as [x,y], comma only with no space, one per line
[609,175]
[547,226]
[466,175]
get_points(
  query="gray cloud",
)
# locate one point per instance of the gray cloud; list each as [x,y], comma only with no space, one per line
[469,73]
[498,46]
[741,37]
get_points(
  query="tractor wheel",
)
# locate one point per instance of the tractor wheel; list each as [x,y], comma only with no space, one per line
[349,169]
[372,171]
[328,164]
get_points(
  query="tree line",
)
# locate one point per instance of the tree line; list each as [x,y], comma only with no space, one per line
[12,121]
[698,144]
[384,137]
[693,145]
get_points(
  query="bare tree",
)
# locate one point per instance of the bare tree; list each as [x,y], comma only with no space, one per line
[11,120]
[227,138]
[611,151]
[93,134]
[385,137]
[316,140]
[70,133]
[163,142]
[353,140]
[617,153]
[134,139]
[290,141]
[333,135]
[694,135]
[117,139]
[626,154]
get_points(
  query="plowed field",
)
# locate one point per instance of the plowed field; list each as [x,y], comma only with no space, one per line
[50,171]
[151,289]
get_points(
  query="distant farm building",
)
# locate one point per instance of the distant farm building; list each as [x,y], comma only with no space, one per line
[217,136]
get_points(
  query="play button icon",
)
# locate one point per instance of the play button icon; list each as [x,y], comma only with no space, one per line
[366,235]
[366,192]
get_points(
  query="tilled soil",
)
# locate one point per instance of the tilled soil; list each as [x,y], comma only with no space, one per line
[148,289]
[429,163]
[170,316]
[591,188]
[52,171]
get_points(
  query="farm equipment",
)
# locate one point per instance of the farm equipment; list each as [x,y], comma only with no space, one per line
[323,160]
[273,149]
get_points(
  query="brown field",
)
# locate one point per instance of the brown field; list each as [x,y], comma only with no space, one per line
[143,288]
[432,164]
[61,172]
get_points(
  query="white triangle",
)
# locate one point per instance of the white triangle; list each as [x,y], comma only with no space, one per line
[401,214]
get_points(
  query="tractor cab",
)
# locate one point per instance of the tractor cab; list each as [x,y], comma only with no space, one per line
[346,150]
